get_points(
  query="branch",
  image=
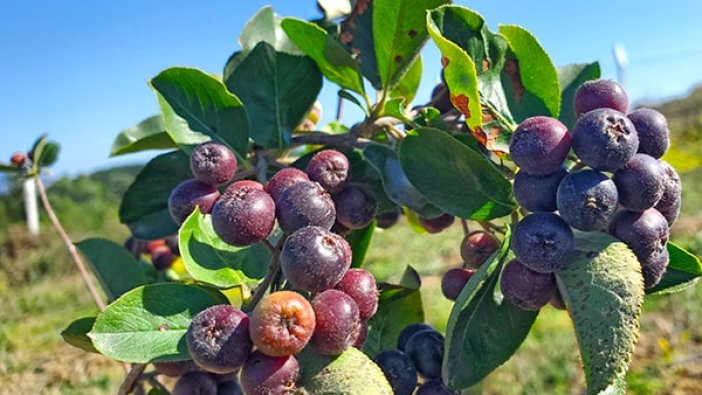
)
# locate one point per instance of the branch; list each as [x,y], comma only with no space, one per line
[273,268]
[128,384]
[69,244]
[320,138]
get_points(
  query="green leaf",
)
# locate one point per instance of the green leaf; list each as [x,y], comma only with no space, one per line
[5,168]
[356,34]
[76,334]
[407,87]
[48,155]
[603,290]
[148,134]
[360,241]
[210,260]
[353,99]
[395,183]
[350,373]
[684,270]
[116,269]
[459,70]
[531,75]
[332,58]
[197,107]
[148,324]
[467,186]
[264,26]
[482,334]
[571,77]
[398,306]
[144,207]
[399,32]
[277,90]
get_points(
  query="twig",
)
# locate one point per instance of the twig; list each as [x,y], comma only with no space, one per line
[273,269]
[464,224]
[157,384]
[320,138]
[128,384]
[69,244]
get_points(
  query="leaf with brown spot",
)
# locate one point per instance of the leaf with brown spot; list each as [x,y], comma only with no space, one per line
[356,33]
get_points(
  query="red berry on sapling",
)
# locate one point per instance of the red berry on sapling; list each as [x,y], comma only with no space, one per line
[188,195]
[360,285]
[18,159]
[269,375]
[213,163]
[331,169]
[282,323]
[244,214]
[338,322]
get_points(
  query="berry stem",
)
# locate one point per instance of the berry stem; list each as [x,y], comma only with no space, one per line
[130,381]
[339,140]
[273,269]
[464,224]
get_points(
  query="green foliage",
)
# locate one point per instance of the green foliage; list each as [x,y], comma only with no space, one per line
[115,268]
[360,240]
[683,271]
[571,77]
[76,334]
[147,134]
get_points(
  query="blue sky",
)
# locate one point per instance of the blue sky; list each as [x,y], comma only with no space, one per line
[78,69]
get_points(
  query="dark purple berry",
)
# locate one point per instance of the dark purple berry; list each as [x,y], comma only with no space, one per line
[398,370]
[188,195]
[671,200]
[477,247]
[540,145]
[340,229]
[525,288]
[605,139]
[453,281]
[362,334]
[652,127]
[230,387]
[654,268]
[409,331]
[543,242]
[314,259]
[212,163]
[162,258]
[355,208]
[244,214]
[437,224]
[587,199]
[600,94]
[338,323]
[331,169]
[136,247]
[172,243]
[283,180]
[360,285]
[639,182]
[218,339]
[305,204]
[266,375]
[557,300]
[434,387]
[175,369]
[195,383]
[389,218]
[645,232]
[426,350]
[537,193]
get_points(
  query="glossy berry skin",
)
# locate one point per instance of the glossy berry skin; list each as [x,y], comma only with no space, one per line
[453,281]
[212,163]
[654,268]
[587,199]
[639,182]
[409,331]
[437,224]
[645,232]
[195,383]
[477,247]
[652,127]
[605,139]
[18,159]
[266,375]
[305,204]
[314,259]
[188,195]
[331,169]
[244,214]
[388,219]
[218,339]
[355,208]
[600,94]
[426,350]
[283,180]
[175,369]
[398,370]
[543,242]
[537,193]
[360,285]
[338,322]
[162,257]
[434,387]
[671,199]
[525,288]
[282,324]
[540,145]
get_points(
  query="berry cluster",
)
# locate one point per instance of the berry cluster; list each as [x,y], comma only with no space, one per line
[476,249]
[162,252]
[420,350]
[314,261]
[618,184]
